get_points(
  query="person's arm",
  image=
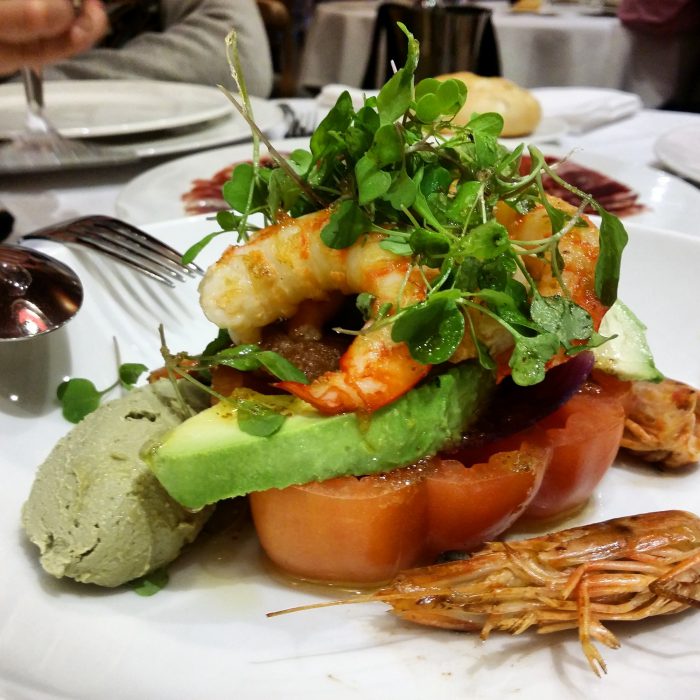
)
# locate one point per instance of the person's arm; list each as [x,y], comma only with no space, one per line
[36,32]
[190,49]
[669,17]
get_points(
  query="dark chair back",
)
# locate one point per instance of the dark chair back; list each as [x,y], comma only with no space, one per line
[452,38]
[283,46]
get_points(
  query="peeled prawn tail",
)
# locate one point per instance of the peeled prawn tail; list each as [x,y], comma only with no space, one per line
[281,267]
[373,372]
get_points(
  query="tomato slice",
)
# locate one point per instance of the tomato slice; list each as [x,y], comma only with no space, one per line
[345,530]
[585,434]
[468,505]
[365,530]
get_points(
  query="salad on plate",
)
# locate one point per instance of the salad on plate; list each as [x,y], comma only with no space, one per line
[418,348]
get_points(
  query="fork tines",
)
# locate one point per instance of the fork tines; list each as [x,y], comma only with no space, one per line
[125,243]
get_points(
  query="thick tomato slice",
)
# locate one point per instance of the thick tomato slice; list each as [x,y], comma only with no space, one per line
[476,497]
[345,530]
[585,434]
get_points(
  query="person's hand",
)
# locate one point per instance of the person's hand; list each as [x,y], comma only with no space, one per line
[36,32]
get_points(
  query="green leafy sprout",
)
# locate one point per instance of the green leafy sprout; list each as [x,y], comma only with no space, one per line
[256,414]
[151,583]
[399,166]
[79,396]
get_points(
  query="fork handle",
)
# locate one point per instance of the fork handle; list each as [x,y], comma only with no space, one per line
[33,89]
[34,92]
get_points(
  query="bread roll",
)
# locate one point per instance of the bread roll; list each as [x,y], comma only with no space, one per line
[521,112]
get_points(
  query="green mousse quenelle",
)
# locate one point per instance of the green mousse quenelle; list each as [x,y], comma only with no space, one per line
[96,512]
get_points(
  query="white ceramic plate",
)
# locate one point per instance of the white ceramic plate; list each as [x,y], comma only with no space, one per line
[548,130]
[92,108]
[667,198]
[679,150]
[206,635]
[156,195]
[227,129]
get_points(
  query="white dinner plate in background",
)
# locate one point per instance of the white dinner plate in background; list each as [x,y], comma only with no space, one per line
[679,151]
[93,108]
[206,634]
[156,195]
[228,129]
[666,198]
[549,129]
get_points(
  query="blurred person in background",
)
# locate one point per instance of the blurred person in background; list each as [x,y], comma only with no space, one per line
[660,17]
[178,40]
[666,21]
[37,32]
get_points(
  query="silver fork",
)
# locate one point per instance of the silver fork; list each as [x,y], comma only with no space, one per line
[298,124]
[124,243]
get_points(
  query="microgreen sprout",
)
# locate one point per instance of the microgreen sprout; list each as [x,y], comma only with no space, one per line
[256,414]
[79,396]
[399,166]
[151,583]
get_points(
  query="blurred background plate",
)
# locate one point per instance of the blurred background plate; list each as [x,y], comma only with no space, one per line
[679,150]
[227,129]
[157,194]
[91,108]
[665,198]
[230,128]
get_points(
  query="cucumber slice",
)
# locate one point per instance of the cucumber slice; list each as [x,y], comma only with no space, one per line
[627,356]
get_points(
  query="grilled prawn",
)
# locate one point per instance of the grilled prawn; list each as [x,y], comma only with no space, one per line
[267,279]
[622,569]
[284,265]
[662,422]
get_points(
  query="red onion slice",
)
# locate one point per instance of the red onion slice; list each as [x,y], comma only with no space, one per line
[514,408]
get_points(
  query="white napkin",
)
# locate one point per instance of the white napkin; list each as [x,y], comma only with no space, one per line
[583,108]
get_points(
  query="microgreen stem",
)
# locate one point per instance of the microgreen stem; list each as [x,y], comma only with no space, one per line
[281,161]
[170,369]
[410,217]
[526,273]
[484,310]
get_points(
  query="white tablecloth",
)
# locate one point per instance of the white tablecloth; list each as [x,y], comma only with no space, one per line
[566,48]
[37,200]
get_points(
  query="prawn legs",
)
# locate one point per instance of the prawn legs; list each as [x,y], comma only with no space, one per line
[622,569]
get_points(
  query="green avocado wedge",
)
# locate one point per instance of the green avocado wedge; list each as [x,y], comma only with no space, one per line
[208,458]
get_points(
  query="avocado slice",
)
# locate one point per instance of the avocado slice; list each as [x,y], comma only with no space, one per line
[208,458]
[627,355]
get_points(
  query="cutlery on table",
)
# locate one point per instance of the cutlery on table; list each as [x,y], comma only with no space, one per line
[41,145]
[124,243]
[298,123]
